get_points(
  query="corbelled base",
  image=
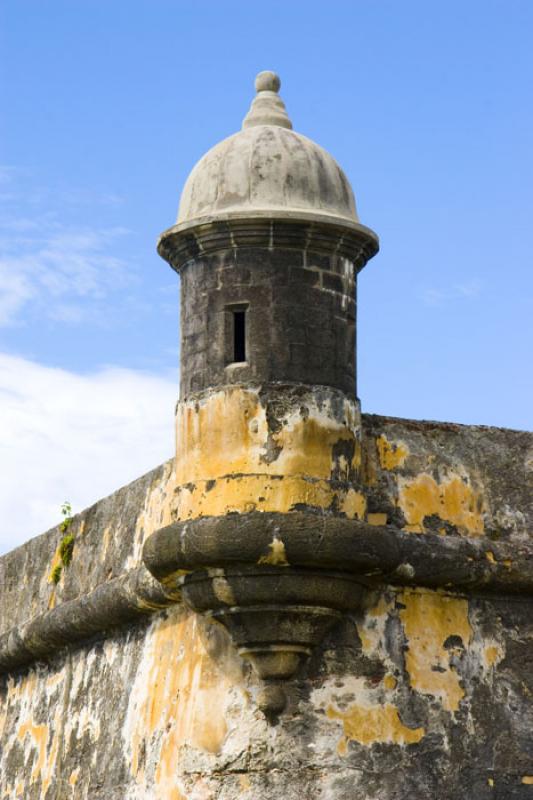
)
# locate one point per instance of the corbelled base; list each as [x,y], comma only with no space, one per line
[276,616]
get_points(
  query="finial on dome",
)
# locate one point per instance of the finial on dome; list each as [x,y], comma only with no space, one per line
[267,81]
[267,107]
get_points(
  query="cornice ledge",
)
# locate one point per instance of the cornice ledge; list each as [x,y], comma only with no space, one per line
[306,231]
[375,554]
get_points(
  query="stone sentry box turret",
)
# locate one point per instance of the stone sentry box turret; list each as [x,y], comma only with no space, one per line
[268,246]
[396,553]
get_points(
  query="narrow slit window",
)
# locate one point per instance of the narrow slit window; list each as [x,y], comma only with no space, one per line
[239,335]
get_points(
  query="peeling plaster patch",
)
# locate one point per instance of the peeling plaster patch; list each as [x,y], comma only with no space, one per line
[453,500]
[371,725]
[510,519]
[365,718]
[391,454]
[371,628]
[435,626]
[223,591]
[277,556]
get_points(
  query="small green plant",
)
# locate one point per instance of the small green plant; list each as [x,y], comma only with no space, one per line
[66,546]
[66,510]
[55,575]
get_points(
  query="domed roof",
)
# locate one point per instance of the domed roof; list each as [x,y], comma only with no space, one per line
[267,169]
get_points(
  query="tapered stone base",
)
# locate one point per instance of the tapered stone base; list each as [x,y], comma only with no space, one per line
[276,616]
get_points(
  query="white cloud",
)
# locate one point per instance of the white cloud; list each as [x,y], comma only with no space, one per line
[66,436]
[51,266]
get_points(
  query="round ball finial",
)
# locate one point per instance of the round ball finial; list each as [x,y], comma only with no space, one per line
[267,81]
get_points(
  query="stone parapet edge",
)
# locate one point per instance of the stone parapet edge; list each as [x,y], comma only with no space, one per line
[116,602]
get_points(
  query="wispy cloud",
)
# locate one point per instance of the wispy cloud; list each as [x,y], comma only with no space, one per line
[56,269]
[441,296]
[76,437]
[48,266]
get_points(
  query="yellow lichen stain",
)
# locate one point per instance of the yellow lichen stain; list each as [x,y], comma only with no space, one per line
[39,736]
[453,500]
[353,504]
[342,746]
[245,493]
[277,556]
[226,435]
[216,436]
[391,454]
[52,600]
[372,724]
[390,682]
[74,777]
[178,701]
[376,519]
[528,780]
[429,619]
[106,540]
[489,555]
[367,642]
[55,562]
[492,654]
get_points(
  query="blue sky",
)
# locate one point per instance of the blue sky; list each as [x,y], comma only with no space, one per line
[106,108]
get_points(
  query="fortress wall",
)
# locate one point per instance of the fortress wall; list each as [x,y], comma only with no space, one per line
[420,693]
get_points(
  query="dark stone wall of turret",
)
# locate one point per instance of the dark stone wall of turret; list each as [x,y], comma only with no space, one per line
[300,318]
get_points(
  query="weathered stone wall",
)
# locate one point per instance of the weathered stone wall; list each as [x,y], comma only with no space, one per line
[420,693]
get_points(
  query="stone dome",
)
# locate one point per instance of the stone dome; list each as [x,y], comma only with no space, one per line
[267,169]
